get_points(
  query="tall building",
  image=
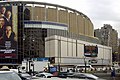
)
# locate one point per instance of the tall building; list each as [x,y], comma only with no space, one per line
[119,50]
[109,37]
[119,42]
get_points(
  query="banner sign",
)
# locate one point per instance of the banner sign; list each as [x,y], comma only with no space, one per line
[90,51]
[8,32]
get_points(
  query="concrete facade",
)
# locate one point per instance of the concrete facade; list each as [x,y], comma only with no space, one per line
[69,51]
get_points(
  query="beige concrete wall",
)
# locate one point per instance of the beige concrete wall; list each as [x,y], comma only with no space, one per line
[51,15]
[74,48]
[63,16]
[37,13]
[77,23]
[69,51]
[64,48]
[72,22]
[86,27]
[91,28]
[80,50]
[51,48]
[80,24]
[69,48]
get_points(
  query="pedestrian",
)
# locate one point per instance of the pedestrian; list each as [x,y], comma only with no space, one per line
[113,74]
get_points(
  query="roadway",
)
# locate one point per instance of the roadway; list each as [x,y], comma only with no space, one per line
[106,76]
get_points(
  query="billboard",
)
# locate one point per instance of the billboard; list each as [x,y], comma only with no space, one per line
[90,51]
[8,31]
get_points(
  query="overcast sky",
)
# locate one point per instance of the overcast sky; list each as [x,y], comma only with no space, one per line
[99,11]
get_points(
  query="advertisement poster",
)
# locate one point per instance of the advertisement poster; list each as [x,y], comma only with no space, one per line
[8,32]
[90,51]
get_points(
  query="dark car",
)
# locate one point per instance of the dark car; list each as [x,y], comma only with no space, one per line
[25,76]
[64,74]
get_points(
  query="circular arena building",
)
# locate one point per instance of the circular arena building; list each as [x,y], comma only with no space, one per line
[36,25]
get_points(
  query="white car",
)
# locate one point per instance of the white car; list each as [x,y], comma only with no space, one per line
[9,75]
[44,75]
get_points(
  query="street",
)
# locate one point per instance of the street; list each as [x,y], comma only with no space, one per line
[106,76]
[55,78]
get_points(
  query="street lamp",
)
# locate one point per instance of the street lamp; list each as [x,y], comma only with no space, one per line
[32,64]
[59,53]
[23,46]
[102,62]
[85,63]
[29,66]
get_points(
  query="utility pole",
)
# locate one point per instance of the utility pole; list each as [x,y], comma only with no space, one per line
[85,63]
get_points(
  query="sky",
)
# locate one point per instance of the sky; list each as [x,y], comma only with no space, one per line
[99,11]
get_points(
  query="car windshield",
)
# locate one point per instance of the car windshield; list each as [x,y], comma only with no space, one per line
[9,76]
[25,74]
[48,74]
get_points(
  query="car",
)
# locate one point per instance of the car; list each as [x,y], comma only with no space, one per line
[25,76]
[85,76]
[44,75]
[65,74]
[9,75]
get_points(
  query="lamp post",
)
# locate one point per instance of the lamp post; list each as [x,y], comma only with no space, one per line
[102,62]
[59,54]
[27,65]
[30,66]
[23,30]
[85,63]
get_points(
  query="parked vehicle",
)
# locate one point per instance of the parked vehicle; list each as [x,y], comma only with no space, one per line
[44,75]
[9,75]
[85,76]
[25,76]
[38,66]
